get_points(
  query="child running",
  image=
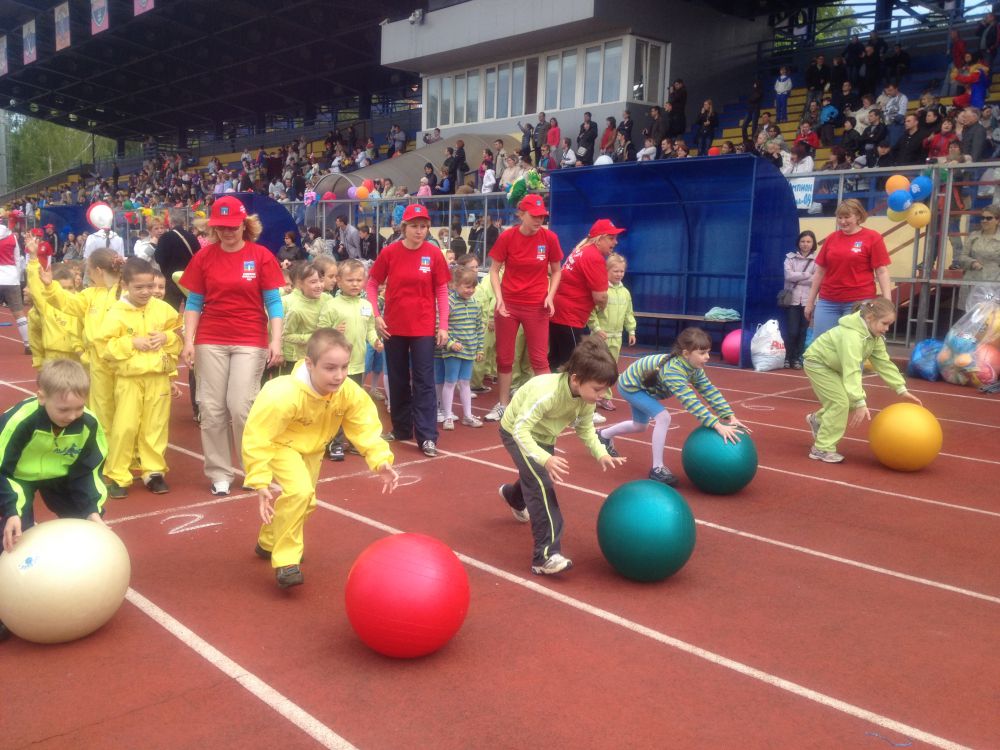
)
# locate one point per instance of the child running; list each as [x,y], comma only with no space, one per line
[286,432]
[539,411]
[833,363]
[139,339]
[609,321]
[465,346]
[658,376]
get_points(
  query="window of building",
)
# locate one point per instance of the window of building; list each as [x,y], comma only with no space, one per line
[444,116]
[592,75]
[491,93]
[567,85]
[472,97]
[646,71]
[552,82]
[503,91]
[611,85]
[460,99]
[517,89]
[433,97]
[531,86]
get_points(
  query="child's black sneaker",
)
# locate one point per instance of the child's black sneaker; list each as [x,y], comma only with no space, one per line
[663,475]
[263,554]
[609,445]
[288,576]
[116,491]
[157,484]
[335,451]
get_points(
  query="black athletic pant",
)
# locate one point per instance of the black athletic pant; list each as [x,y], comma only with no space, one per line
[562,341]
[534,491]
[414,407]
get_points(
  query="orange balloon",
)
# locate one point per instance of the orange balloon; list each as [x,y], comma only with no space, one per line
[361,193]
[896,182]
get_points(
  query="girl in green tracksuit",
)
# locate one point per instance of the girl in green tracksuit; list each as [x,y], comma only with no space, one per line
[304,306]
[614,317]
[833,363]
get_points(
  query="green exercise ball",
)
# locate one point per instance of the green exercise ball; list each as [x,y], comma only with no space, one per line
[646,530]
[715,466]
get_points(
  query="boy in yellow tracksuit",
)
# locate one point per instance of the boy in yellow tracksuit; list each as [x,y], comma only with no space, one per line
[290,423]
[91,306]
[139,340]
[351,314]
[61,334]
[615,316]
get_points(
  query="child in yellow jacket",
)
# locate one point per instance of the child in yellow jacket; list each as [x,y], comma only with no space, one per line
[61,333]
[609,321]
[90,305]
[139,340]
[290,423]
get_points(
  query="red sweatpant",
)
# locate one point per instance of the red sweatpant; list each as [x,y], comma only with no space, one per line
[535,319]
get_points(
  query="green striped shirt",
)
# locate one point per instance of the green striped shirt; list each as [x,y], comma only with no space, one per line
[465,326]
[663,376]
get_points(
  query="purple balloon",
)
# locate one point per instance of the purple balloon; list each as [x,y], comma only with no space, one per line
[352,192]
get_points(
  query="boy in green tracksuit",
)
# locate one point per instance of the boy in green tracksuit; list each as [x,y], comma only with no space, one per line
[539,411]
[609,321]
[351,314]
[305,308]
[833,364]
[51,443]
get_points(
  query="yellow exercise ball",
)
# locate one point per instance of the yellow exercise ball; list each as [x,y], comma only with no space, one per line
[918,216]
[905,437]
[896,182]
[897,215]
[64,580]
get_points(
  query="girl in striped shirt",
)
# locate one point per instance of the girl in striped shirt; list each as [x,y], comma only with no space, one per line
[465,346]
[682,374]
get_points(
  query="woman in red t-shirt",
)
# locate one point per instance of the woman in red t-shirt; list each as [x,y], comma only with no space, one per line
[414,321]
[530,257]
[583,286]
[852,260]
[234,299]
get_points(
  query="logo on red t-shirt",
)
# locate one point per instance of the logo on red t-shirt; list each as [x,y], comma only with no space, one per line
[425,264]
[249,270]
[541,252]
[857,246]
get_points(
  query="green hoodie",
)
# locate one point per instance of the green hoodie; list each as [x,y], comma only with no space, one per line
[302,316]
[844,350]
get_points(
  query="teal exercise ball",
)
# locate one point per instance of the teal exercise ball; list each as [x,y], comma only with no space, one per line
[715,466]
[646,530]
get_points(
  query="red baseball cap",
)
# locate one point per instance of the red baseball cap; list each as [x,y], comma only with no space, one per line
[416,211]
[533,204]
[227,212]
[36,232]
[604,226]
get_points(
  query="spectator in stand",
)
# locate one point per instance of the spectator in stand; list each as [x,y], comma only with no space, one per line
[937,144]
[773,153]
[853,54]
[975,76]
[878,44]
[432,179]
[989,38]
[801,161]
[656,128]
[289,252]
[956,55]
[449,158]
[708,123]
[485,163]
[424,191]
[782,89]
[929,104]
[489,181]
[909,149]
[540,137]
[608,136]
[677,96]
[681,150]
[510,173]
[880,158]
[624,150]
[569,158]
[980,256]
[811,114]
[829,117]
[648,152]
[875,133]
[839,159]
[850,141]
[586,140]
[973,135]
[860,114]
[807,137]
[845,98]
[397,140]
[432,137]
[727,147]
[445,185]
[348,240]
[460,167]
[754,98]
[315,245]
[546,163]
[527,138]
[673,121]
[896,64]
[553,137]
[893,104]
[817,79]
[625,126]
[457,244]
[871,71]
[838,75]
[666,148]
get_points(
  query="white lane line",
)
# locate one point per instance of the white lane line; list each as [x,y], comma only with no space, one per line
[842,483]
[746,670]
[246,679]
[778,543]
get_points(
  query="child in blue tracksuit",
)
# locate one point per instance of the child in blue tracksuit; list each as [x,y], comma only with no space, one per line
[782,88]
[682,374]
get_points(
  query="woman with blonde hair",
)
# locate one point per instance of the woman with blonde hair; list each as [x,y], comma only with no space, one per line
[234,299]
[852,260]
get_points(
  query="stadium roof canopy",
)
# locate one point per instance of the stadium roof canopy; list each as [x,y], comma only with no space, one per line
[191,65]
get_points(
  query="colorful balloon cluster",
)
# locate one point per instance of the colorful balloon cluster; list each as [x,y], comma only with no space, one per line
[905,197]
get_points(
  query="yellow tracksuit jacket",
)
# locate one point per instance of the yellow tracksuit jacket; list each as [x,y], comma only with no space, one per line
[142,385]
[284,439]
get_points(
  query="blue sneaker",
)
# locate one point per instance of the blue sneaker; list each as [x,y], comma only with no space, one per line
[663,475]
[609,445]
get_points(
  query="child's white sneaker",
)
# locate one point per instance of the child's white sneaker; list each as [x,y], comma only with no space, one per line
[495,414]
[472,422]
[555,564]
[599,418]
[448,424]
[829,457]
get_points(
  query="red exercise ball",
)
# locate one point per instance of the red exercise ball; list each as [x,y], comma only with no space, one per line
[731,347]
[407,595]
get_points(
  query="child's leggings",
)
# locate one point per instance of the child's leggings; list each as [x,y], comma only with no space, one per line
[456,371]
[535,492]
[835,406]
[644,408]
[139,427]
[297,475]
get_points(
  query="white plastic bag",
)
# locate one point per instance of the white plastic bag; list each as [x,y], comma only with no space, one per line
[767,348]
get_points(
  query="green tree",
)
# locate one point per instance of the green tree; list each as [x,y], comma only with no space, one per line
[836,22]
[39,148]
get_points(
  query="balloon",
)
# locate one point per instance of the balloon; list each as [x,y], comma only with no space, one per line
[896,182]
[352,192]
[370,184]
[714,151]
[361,193]
[921,188]
[919,216]
[897,215]
[100,215]
[328,196]
[900,200]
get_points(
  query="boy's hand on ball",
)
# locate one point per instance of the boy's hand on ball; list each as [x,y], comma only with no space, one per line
[610,462]
[266,504]
[858,416]
[11,533]
[909,396]
[96,518]
[557,466]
